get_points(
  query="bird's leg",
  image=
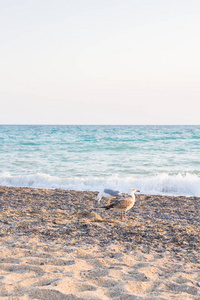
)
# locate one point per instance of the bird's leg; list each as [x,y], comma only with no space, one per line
[108,202]
[125,215]
[122,215]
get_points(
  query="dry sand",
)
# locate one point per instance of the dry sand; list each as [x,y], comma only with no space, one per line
[57,244]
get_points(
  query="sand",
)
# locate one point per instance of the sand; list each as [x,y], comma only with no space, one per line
[57,244]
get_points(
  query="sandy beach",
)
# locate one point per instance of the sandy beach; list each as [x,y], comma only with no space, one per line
[57,244]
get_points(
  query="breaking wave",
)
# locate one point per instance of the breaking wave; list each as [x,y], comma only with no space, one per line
[163,184]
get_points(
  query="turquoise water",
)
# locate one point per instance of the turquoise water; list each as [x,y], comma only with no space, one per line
[154,159]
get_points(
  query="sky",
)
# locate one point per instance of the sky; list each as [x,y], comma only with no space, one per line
[100,62]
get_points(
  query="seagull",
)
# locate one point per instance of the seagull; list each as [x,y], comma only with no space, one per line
[108,193]
[123,204]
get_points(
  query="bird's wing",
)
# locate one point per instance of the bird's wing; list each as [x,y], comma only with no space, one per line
[124,203]
[112,192]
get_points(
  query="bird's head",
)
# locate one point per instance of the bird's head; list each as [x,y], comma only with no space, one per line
[133,191]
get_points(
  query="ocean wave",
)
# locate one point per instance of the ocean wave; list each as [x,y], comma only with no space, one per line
[163,184]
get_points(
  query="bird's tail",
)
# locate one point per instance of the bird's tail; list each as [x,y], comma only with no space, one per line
[108,206]
[99,196]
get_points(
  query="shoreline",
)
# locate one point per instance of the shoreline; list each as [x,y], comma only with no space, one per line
[57,244]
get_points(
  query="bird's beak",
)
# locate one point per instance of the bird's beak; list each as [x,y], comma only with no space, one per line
[137,191]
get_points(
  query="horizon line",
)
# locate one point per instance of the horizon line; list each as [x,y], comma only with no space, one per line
[26,124]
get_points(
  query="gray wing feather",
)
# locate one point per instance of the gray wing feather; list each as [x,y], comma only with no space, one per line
[112,192]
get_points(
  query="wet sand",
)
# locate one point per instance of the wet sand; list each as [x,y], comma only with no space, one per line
[57,244]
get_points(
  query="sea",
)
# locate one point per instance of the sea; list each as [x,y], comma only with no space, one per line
[157,160]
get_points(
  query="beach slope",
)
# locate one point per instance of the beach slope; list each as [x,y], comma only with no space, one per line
[57,244]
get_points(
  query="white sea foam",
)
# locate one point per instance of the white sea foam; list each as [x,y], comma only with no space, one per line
[165,184]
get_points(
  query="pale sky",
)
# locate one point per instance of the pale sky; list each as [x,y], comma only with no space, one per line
[99,62]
